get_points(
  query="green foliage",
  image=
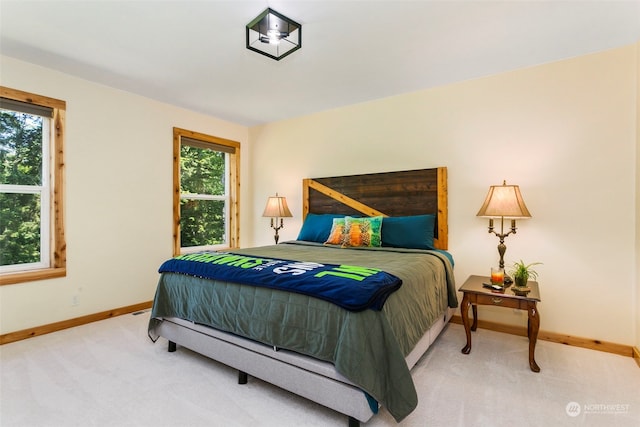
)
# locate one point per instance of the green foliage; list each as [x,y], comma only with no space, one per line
[20,148]
[20,164]
[202,172]
[524,272]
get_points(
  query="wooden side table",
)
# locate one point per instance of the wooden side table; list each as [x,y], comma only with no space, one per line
[475,294]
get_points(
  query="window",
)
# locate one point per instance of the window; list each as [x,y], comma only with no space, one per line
[206,188]
[32,244]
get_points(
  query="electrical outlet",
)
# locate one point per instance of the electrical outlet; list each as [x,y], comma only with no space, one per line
[74,300]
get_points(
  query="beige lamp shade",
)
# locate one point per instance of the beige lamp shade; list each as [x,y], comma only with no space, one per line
[504,201]
[277,208]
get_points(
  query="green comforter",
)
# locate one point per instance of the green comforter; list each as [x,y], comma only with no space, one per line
[367,347]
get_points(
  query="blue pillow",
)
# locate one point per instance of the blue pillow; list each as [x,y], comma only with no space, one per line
[412,232]
[316,227]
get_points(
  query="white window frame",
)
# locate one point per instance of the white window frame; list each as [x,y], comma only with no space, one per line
[224,198]
[44,191]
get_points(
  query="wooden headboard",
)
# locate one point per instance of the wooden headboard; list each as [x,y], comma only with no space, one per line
[414,192]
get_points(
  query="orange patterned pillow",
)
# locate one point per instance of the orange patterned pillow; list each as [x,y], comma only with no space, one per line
[363,232]
[336,235]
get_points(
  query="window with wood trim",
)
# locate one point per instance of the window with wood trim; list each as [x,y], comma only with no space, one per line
[206,172]
[32,243]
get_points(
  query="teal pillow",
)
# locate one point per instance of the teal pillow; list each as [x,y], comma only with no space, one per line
[316,227]
[412,232]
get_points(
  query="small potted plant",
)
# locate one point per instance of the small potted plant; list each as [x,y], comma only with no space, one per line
[521,274]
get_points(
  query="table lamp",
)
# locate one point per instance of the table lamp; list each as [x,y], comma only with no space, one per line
[503,201]
[276,208]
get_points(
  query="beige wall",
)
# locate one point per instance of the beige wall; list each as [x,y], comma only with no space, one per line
[118,196]
[638,197]
[566,132]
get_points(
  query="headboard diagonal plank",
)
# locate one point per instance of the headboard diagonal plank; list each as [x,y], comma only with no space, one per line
[352,203]
[402,193]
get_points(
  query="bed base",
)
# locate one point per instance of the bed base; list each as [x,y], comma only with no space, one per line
[305,376]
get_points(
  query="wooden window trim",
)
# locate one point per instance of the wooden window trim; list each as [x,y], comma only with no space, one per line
[58,247]
[234,184]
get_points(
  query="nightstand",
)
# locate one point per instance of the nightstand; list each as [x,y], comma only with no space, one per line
[475,294]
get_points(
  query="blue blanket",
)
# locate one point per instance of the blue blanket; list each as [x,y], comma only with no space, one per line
[350,287]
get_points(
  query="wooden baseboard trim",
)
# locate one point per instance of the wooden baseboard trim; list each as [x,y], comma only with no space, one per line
[636,355]
[609,347]
[65,324]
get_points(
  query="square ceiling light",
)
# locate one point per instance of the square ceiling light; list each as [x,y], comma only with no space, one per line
[274,35]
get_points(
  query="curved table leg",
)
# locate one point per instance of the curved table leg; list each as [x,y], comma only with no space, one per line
[533,326]
[464,313]
[474,310]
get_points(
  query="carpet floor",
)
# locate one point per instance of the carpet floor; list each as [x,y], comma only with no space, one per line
[109,373]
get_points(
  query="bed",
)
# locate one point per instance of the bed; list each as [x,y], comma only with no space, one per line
[350,358]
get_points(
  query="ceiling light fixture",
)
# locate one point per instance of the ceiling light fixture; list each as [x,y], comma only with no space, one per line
[274,35]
